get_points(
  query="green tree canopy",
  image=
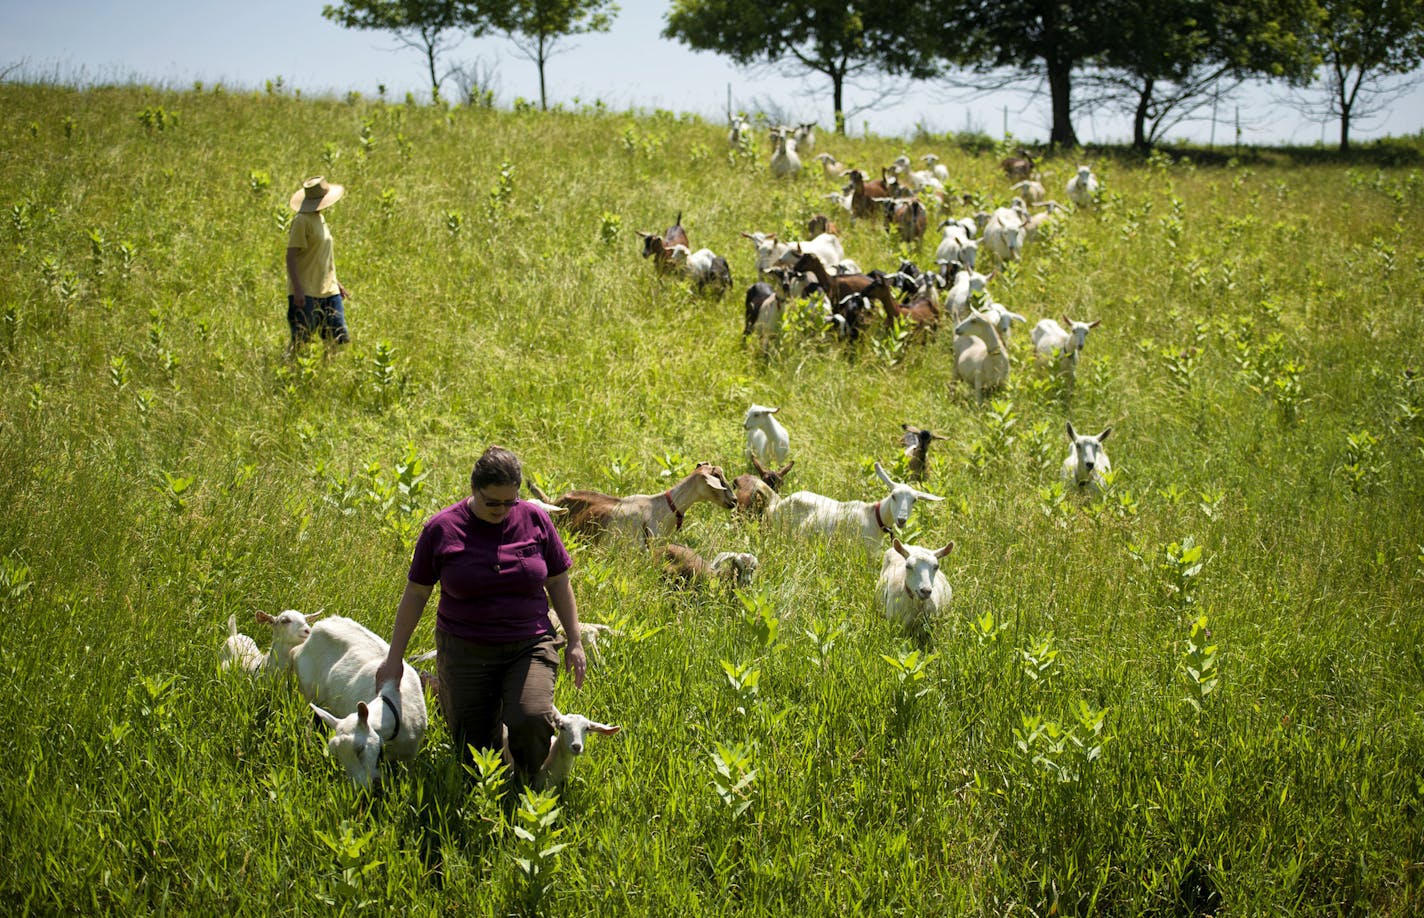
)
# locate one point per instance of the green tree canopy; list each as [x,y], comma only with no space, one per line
[535,27]
[1050,38]
[1167,57]
[1365,43]
[836,39]
[428,26]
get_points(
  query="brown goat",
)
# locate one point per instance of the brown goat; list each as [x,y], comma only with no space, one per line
[863,193]
[684,564]
[756,492]
[917,447]
[841,286]
[638,516]
[660,248]
[1018,167]
[910,217]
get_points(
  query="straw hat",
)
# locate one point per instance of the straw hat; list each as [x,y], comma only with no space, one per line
[316,194]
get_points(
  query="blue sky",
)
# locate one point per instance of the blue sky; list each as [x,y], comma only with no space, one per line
[243,44]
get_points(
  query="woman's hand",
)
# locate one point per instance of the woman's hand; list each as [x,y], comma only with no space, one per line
[575,662]
[391,670]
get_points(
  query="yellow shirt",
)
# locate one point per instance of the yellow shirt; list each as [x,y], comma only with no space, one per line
[316,261]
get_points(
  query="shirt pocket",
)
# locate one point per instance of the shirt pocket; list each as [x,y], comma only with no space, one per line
[522,562]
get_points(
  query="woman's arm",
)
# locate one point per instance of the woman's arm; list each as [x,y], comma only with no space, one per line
[561,598]
[412,605]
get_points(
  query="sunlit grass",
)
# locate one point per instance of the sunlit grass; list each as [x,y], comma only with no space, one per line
[1199,694]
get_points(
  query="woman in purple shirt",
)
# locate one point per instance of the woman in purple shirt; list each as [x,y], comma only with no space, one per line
[501,566]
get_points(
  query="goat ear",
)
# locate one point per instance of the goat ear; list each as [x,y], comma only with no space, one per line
[315,615]
[922,495]
[883,475]
[331,720]
[949,547]
[756,464]
[1067,322]
[1071,435]
[1104,435]
[1095,324]
[362,712]
[787,468]
[264,619]
[900,548]
[605,729]
[643,234]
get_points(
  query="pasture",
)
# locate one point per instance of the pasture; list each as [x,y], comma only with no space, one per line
[1198,693]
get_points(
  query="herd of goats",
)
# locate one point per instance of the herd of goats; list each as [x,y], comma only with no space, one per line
[335,661]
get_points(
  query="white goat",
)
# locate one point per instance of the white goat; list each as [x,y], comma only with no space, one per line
[805,136]
[912,588]
[1083,187]
[1003,234]
[962,285]
[570,734]
[239,649]
[289,628]
[770,252]
[785,162]
[703,267]
[741,132]
[807,511]
[1033,227]
[979,355]
[1031,190]
[937,167]
[957,244]
[1002,316]
[1087,461]
[767,441]
[336,670]
[1053,343]
[915,180]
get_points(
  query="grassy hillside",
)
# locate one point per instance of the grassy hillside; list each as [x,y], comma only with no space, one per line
[1198,695]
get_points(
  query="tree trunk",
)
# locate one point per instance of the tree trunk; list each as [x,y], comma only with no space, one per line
[1060,85]
[1344,132]
[838,99]
[1139,117]
[543,98]
[430,63]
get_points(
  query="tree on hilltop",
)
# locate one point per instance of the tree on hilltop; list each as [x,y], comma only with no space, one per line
[839,40]
[1027,38]
[428,26]
[535,27]
[1165,59]
[1365,44]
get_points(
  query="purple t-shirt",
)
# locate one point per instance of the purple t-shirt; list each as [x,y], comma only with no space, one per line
[491,575]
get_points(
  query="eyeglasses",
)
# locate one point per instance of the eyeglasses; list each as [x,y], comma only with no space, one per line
[497,504]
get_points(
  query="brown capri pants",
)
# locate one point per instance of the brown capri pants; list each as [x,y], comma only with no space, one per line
[482,685]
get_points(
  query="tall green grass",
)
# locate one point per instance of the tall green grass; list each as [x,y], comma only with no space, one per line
[1198,695]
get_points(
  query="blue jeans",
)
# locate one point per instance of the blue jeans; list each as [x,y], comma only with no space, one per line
[324,313]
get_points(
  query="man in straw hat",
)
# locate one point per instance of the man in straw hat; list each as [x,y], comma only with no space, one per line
[314,295]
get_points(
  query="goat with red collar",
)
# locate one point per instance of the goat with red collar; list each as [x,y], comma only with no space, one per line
[807,512]
[639,517]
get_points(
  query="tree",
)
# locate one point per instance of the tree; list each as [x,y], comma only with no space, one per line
[1365,43]
[536,26]
[836,39]
[1052,38]
[425,25]
[1166,59]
